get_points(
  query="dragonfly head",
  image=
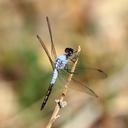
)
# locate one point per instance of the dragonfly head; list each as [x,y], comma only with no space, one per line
[69,51]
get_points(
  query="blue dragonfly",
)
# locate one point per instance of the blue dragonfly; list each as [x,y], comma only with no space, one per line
[61,63]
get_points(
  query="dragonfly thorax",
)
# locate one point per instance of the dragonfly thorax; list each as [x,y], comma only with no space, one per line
[61,61]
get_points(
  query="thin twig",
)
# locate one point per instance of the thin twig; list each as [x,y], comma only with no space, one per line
[57,107]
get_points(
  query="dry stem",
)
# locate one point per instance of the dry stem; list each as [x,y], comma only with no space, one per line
[57,107]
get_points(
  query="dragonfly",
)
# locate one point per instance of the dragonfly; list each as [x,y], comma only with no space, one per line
[61,63]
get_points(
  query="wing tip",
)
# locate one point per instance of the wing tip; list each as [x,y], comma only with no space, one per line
[37,36]
[105,74]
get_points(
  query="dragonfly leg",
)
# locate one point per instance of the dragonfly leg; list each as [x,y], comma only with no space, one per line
[74,58]
[68,70]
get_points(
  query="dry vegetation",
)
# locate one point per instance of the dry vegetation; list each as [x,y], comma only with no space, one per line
[99,27]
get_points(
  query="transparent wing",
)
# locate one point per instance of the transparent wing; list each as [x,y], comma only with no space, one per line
[90,72]
[87,72]
[46,51]
[83,87]
[53,50]
[77,84]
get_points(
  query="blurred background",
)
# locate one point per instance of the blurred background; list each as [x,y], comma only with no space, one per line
[101,29]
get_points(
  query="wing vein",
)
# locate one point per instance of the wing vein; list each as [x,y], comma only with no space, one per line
[46,51]
[53,50]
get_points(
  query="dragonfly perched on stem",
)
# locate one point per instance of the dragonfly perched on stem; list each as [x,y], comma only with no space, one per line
[61,63]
